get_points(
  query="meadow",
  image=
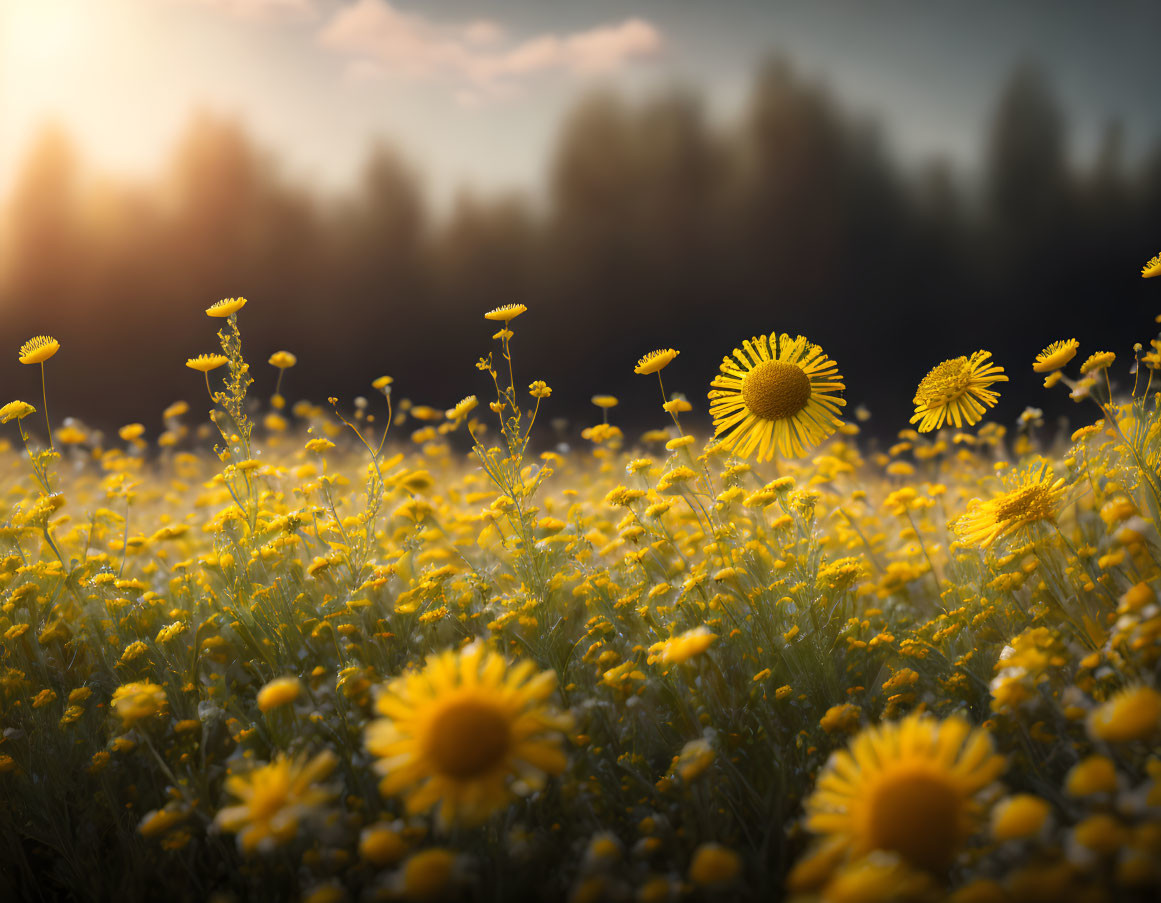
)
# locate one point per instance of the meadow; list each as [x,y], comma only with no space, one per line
[381,649]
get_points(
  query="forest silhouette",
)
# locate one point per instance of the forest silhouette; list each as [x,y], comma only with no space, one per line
[656,229]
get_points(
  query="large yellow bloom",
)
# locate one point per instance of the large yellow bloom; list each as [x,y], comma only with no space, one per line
[907,787]
[274,798]
[226,307]
[776,394]
[957,390]
[1034,497]
[467,732]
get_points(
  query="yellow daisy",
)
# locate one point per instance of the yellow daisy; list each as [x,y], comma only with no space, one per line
[505,313]
[957,390]
[274,798]
[777,393]
[467,732]
[1152,268]
[655,361]
[1034,498]
[1056,356]
[226,307]
[1132,714]
[38,349]
[283,360]
[204,363]
[907,787]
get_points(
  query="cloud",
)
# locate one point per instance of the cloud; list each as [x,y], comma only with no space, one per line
[388,41]
[261,10]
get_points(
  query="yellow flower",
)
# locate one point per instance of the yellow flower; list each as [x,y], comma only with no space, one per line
[1132,714]
[655,361]
[131,431]
[283,360]
[279,692]
[505,313]
[380,844]
[1101,360]
[605,401]
[1152,268]
[274,798]
[1034,498]
[15,410]
[204,363]
[539,389]
[683,647]
[226,307]
[957,390]
[137,701]
[465,733]
[1096,774]
[714,865]
[1019,816]
[462,409]
[841,717]
[906,787]
[1056,356]
[428,875]
[38,349]
[776,394]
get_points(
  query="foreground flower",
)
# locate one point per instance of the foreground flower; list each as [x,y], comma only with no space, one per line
[15,410]
[1132,714]
[1152,268]
[957,390]
[505,313]
[204,363]
[655,361]
[1056,356]
[467,732]
[780,394]
[274,798]
[38,349]
[226,307]
[906,787]
[1035,498]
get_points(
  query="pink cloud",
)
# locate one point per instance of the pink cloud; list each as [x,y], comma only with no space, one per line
[406,44]
[263,10]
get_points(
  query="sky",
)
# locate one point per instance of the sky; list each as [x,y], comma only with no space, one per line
[474,91]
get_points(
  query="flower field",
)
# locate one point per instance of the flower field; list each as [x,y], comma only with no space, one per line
[380,650]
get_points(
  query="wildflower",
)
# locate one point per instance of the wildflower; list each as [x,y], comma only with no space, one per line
[957,390]
[780,394]
[539,389]
[1090,776]
[683,647]
[273,799]
[38,349]
[279,692]
[463,408]
[1101,360]
[1035,498]
[226,307]
[1056,356]
[907,787]
[283,360]
[505,313]
[695,757]
[15,410]
[428,875]
[604,402]
[204,363]
[1132,714]
[465,733]
[842,717]
[1019,816]
[1152,268]
[655,361]
[714,865]
[381,845]
[138,701]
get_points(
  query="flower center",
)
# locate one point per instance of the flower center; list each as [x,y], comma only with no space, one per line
[918,816]
[1029,504]
[775,390]
[945,383]
[468,739]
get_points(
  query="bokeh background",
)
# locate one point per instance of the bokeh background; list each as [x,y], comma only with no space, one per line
[899,181]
